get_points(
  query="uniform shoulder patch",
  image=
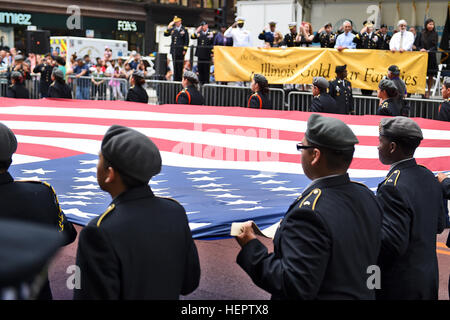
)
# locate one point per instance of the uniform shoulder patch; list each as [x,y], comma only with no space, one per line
[393,178]
[310,201]
[104,214]
[385,105]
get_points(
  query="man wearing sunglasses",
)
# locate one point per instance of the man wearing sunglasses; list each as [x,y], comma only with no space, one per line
[329,239]
[403,40]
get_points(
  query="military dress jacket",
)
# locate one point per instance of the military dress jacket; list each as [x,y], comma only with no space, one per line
[413,213]
[179,41]
[324,103]
[18,91]
[137,94]
[323,248]
[326,40]
[190,95]
[341,91]
[204,44]
[258,100]
[389,107]
[140,248]
[444,111]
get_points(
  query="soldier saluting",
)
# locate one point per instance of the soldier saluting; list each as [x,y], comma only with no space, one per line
[325,36]
[205,39]
[178,46]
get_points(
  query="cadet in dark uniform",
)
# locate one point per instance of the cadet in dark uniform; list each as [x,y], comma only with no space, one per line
[413,213]
[289,38]
[341,91]
[205,39]
[137,93]
[387,91]
[59,88]
[45,69]
[25,252]
[260,97]
[322,101]
[444,108]
[444,180]
[30,201]
[190,93]
[178,46]
[383,38]
[325,36]
[17,88]
[141,247]
[329,236]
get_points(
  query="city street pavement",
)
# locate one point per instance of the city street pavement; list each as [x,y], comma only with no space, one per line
[222,278]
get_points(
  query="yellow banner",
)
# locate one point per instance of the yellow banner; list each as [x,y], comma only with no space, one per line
[299,65]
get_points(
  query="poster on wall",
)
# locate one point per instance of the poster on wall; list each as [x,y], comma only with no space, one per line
[6,37]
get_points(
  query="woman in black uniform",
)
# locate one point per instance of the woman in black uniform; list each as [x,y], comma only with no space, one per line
[137,93]
[260,97]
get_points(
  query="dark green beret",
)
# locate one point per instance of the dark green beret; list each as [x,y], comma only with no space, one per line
[320,82]
[131,152]
[25,250]
[400,127]
[394,69]
[8,143]
[330,132]
[388,86]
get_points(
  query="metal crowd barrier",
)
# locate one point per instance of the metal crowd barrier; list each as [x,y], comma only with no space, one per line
[162,91]
[237,96]
[108,89]
[421,108]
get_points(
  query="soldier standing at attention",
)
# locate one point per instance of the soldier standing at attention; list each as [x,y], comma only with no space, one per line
[205,38]
[413,213]
[178,46]
[190,93]
[341,91]
[387,92]
[322,101]
[141,247]
[444,108]
[329,236]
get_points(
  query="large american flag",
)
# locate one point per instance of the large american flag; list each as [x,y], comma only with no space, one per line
[223,164]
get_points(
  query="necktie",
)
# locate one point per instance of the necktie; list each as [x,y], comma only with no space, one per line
[401,40]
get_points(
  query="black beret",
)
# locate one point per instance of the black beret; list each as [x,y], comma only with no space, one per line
[320,82]
[329,132]
[394,69]
[25,250]
[203,23]
[16,75]
[389,86]
[340,69]
[191,76]
[8,143]
[131,152]
[259,78]
[400,127]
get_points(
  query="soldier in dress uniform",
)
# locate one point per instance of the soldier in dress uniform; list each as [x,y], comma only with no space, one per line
[444,108]
[366,38]
[289,38]
[325,36]
[320,250]
[141,247]
[444,180]
[205,39]
[260,97]
[383,38]
[190,93]
[387,92]
[137,93]
[271,36]
[17,89]
[341,91]
[45,69]
[178,46]
[322,101]
[413,213]
[30,201]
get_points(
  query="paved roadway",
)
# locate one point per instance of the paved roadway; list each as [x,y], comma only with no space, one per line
[222,278]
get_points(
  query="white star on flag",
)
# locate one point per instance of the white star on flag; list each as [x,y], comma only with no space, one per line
[225,195]
[281,189]
[198,172]
[251,209]
[37,171]
[35,178]
[233,203]
[79,213]
[88,186]
[271,182]
[93,169]
[213,185]
[156,182]
[205,179]
[261,175]
[85,179]
[219,190]
[89,161]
